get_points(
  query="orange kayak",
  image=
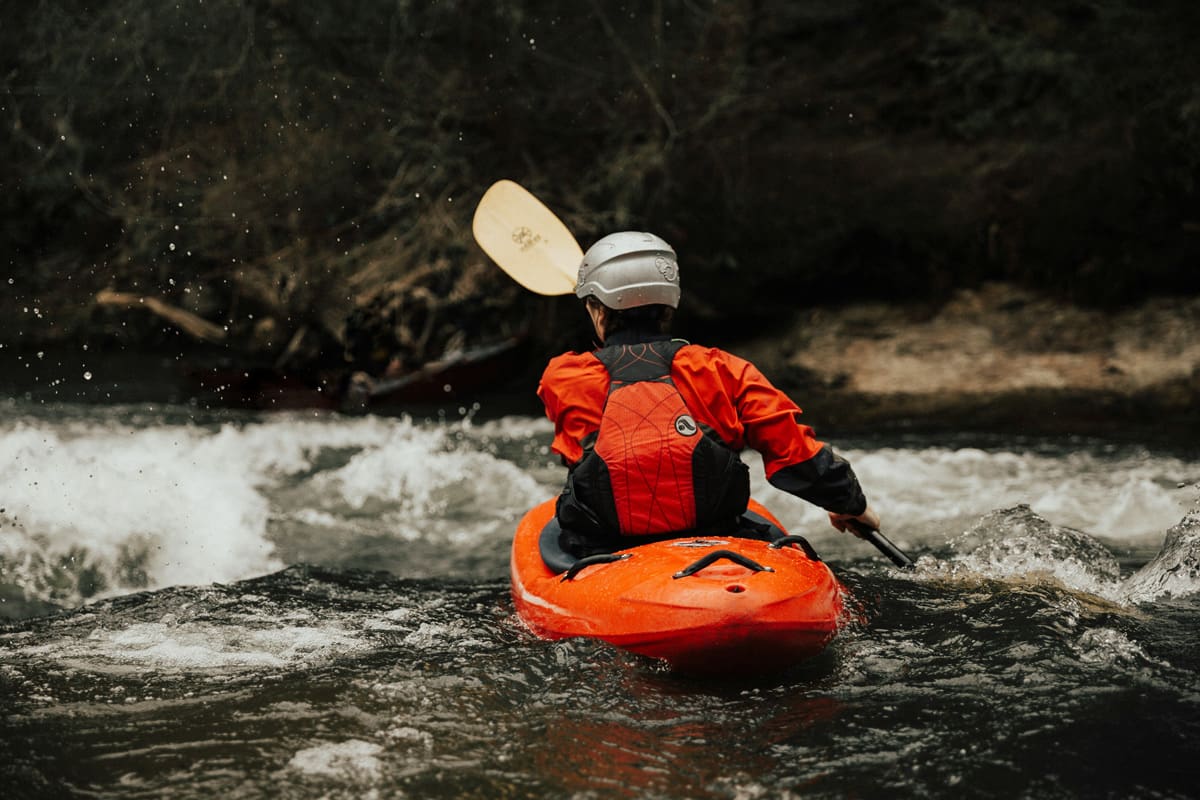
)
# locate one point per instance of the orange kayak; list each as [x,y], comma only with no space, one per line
[709,605]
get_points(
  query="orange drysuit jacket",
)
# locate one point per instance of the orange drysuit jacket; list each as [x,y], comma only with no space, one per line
[728,394]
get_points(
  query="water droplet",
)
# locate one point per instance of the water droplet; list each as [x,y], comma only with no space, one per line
[87,376]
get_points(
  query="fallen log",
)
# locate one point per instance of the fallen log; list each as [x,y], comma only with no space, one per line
[186,321]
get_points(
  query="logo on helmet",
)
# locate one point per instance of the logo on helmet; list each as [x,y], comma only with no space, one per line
[667,268]
[685,425]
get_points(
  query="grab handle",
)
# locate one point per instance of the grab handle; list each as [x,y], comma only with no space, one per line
[717,555]
[599,558]
[796,539]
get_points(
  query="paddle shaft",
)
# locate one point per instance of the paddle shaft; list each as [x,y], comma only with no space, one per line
[881,543]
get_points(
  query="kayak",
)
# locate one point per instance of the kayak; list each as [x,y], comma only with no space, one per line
[703,604]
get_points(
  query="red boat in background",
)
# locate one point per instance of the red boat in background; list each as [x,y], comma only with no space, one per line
[705,605]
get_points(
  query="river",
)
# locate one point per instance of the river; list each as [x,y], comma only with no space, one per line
[201,603]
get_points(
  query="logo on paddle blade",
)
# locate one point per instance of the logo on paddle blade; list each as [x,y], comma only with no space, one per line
[525,238]
[685,425]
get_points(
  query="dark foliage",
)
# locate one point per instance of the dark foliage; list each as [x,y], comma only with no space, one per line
[280,167]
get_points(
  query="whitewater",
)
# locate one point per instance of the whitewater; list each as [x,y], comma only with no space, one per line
[315,605]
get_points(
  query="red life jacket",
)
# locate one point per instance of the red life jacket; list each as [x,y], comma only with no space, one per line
[651,469]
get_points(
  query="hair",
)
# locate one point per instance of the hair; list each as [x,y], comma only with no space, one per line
[654,318]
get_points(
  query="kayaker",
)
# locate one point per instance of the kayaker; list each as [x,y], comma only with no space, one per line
[650,427]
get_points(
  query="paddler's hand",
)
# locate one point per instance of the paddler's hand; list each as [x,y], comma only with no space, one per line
[842,521]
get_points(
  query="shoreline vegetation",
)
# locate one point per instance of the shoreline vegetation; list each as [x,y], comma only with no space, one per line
[995,359]
[940,210]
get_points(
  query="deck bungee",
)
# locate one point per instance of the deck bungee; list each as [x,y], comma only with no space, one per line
[704,604]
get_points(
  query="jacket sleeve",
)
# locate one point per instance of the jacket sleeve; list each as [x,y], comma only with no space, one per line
[826,480]
[795,461]
[573,389]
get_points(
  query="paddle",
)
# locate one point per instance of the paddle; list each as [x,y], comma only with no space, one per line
[526,240]
[538,251]
[869,534]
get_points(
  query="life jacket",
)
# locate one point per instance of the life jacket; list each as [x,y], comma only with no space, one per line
[650,468]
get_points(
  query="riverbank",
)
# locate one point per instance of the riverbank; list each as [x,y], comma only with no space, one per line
[997,358]
[993,358]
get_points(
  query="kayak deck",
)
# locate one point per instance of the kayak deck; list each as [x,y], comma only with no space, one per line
[712,604]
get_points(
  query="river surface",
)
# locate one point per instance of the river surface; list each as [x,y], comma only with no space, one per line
[214,604]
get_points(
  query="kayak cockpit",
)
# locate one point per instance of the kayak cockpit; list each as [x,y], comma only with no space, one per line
[559,558]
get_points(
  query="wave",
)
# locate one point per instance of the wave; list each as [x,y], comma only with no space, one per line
[102,501]
[101,507]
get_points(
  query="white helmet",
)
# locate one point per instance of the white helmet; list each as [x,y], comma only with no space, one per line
[630,269]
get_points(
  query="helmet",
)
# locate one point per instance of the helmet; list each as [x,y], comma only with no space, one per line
[630,269]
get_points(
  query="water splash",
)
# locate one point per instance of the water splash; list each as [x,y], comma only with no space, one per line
[93,508]
[200,646]
[412,477]
[95,503]
[1175,571]
[354,760]
[1017,543]
[1108,648]
[927,494]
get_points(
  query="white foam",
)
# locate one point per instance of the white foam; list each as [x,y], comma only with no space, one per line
[154,506]
[353,760]
[415,474]
[1128,498]
[200,647]
[157,503]
[177,502]
[430,635]
[1107,647]
[1019,566]
[404,734]
[513,428]
[1175,571]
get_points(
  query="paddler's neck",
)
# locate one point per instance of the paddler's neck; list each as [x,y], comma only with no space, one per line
[634,337]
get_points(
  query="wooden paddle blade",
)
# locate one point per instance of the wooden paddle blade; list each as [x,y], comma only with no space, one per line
[526,240]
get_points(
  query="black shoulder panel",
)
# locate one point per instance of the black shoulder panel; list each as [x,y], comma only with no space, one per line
[645,361]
